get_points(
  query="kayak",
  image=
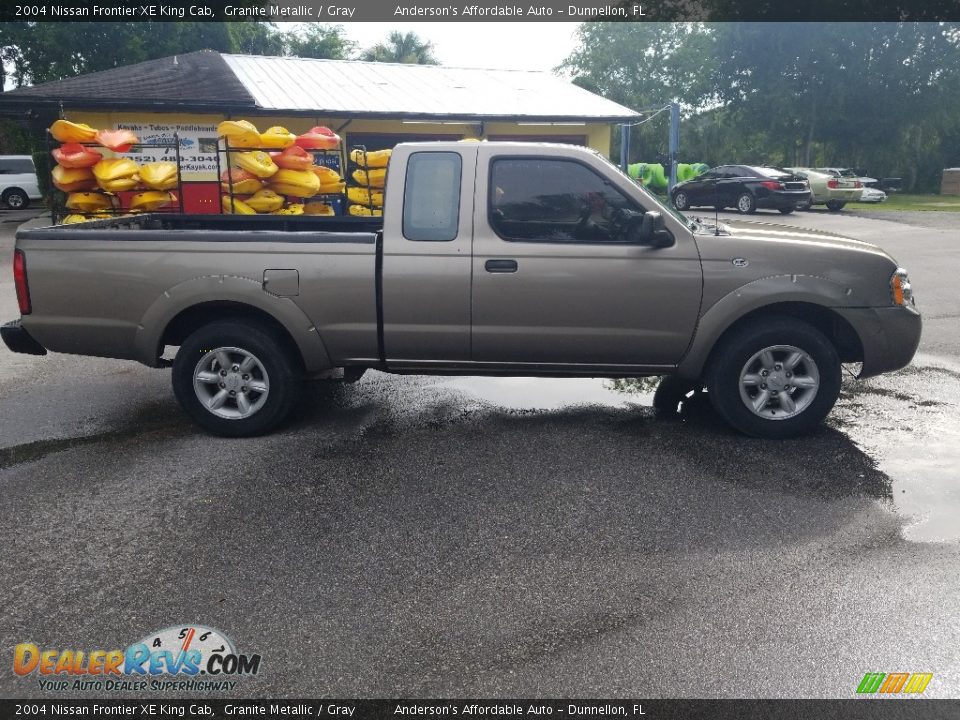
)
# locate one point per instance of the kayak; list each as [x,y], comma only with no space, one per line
[235,206]
[114,168]
[318,138]
[244,183]
[265,200]
[363,196]
[257,162]
[374,177]
[374,159]
[239,133]
[75,155]
[363,211]
[293,158]
[152,200]
[159,175]
[69,132]
[299,183]
[73,179]
[90,201]
[117,140]
[277,137]
[318,208]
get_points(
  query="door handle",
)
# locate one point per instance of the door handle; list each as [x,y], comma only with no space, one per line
[500,266]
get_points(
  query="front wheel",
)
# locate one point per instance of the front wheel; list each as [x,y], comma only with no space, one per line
[681,201]
[236,379]
[774,378]
[746,204]
[835,205]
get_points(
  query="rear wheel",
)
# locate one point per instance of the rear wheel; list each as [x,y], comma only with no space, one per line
[776,378]
[835,205]
[746,204]
[681,201]
[236,378]
[16,199]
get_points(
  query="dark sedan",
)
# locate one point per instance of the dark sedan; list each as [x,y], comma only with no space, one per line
[745,187]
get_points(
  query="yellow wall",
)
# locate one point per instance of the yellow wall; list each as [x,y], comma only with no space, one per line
[598,134]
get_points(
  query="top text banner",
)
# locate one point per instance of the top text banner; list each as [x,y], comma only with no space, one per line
[341,11]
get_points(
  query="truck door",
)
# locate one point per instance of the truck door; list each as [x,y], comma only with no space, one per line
[555,281]
[426,255]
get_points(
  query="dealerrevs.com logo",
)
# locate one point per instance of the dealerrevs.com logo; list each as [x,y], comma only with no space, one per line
[181,657]
[894,683]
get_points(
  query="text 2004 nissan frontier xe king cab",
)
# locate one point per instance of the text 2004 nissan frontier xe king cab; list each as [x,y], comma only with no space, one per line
[492,259]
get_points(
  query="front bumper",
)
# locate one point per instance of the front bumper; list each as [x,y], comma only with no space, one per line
[889,336]
[16,337]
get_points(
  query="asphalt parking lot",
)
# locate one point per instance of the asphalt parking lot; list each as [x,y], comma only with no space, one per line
[436,537]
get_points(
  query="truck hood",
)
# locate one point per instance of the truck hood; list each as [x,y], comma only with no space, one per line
[760,236]
[744,252]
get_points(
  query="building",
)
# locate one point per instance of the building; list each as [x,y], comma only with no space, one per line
[372,104]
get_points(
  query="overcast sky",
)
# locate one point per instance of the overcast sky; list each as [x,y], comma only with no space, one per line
[503,45]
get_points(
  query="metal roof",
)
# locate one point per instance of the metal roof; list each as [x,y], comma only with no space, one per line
[352,88]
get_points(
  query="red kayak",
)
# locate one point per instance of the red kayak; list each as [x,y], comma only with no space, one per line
[318,138]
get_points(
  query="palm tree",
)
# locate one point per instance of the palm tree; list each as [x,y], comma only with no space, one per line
[402,48]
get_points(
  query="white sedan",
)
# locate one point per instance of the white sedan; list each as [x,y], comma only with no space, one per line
[872,195]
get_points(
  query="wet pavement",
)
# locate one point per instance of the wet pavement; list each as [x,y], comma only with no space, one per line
[416,536]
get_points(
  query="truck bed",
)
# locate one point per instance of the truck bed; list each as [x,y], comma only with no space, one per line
[223,228]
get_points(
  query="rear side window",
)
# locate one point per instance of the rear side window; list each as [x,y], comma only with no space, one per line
[16,166]
[431,196]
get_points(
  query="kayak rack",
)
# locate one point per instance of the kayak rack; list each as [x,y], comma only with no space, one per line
[58,198]
[363,209]
[328,158]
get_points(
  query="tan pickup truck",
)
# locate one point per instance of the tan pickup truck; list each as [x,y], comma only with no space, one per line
[491,259]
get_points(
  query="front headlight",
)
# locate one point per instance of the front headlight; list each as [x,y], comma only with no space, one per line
[901,291]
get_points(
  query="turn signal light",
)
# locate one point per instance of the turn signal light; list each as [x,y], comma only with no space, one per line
[20,281]
[900,288]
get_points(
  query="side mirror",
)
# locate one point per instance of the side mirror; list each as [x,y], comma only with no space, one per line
[652,231]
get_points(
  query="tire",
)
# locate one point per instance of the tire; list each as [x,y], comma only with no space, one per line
[835,205]
[746,204]
[786,211]
[804,205]
[671,391]
[263,396]
[681,201]
[736,380]
[16,199]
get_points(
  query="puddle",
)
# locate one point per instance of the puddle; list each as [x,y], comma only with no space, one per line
[525,393]
[915,442]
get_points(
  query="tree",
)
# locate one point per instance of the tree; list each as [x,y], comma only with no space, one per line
[402,48]
[321,41]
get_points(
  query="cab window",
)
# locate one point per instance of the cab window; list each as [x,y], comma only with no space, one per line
[556,200]
[431,197]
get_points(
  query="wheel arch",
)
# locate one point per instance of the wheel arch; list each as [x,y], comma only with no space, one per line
[188,306]
[712,331]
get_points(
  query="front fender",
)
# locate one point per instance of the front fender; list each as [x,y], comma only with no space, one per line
[753,296]
[228,288]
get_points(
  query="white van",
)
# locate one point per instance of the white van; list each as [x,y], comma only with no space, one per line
[18,181]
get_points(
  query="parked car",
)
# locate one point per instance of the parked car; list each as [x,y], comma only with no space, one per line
[872,195]
[745,187]
[829,189]
[849,173]
[18,181]
[528,259]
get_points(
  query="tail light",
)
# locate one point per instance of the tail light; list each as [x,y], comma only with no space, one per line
[772,185]
[833,183]
[20,281]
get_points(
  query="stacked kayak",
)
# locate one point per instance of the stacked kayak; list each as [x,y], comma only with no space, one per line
[98,186]
[368,179]
[274,172]
[655,176]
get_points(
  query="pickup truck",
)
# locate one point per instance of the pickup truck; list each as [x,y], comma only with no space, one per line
[521,259]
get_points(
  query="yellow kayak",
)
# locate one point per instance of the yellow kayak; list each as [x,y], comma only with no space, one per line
[292,209]
[265,201]
[318,208]
[159,175]
[277,138]
[69,132]
[114,169]
[239,133]
[334,188]
[90,201]
[363,211]
[299,183]
[374,159]
[363,196]
[152,200]
[239,182]
[73,179]
[120,184]
[233,206]
[326,175]
[375,177]
[256,162]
